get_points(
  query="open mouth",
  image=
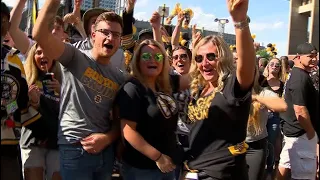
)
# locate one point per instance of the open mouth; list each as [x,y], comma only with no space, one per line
[43,62]
[108,46]
[207,70]
[6,40]
[152,67]
[180,65]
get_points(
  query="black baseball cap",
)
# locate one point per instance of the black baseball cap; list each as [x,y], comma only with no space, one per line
[145,32]
[306,48]
[91,13]
[5,10]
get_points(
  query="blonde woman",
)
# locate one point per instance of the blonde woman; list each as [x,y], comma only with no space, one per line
[39,150]
[221,102]
[262,100]
[148,117]
[274,77]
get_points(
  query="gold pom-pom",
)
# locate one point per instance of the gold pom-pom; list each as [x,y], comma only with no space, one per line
[253,36]
[177,9]
[273,45]
[268,49]
[134,29]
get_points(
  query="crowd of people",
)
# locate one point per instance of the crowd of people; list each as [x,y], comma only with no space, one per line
[151,106]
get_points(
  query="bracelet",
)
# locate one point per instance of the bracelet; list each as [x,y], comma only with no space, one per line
[243,24]
[158,157]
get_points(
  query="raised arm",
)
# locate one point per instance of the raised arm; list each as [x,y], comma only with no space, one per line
[20,39]
[52,46]
[127,39]
[155,24]
[176,32]
[74,18]
[244,45]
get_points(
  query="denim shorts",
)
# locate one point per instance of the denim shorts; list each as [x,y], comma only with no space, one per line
[76,163]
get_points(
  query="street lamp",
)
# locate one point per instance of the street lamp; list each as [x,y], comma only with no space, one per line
[222,23]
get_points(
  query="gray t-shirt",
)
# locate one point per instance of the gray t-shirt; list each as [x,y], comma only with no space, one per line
[263,118]
[87,92]
[117,59]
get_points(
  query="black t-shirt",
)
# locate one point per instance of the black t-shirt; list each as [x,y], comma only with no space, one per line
[46,129]
[264,83]
[156,117]
[299,90]
[225,126]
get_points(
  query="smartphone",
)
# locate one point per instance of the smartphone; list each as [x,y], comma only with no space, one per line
[47,78]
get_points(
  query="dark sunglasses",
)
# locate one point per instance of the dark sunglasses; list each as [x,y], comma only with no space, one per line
[209,56]
[107,33]
[182,56]
[272,64]
[147,57]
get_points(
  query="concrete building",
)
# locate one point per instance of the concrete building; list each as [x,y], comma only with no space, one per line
[108,4]
[229,38]
[303,23]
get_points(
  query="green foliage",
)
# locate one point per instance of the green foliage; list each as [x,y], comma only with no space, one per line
[263,53]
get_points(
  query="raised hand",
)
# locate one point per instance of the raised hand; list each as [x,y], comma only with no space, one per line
[155,20]
[130,5]
[238,9]
[196,36]
[180,18]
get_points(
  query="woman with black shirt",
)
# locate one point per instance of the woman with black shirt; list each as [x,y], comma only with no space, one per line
[148,117]
[221,103]
[39,149]
[274,74]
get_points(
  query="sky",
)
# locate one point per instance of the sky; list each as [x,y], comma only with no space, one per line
[269,18]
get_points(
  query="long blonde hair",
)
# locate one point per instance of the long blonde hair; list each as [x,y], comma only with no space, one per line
[254,121]
[32,71]
[224,67]
[162,81]
[282,70]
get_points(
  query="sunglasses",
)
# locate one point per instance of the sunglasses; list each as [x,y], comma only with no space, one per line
[182,56]
[272,64]
[107,33]
[147,57]
[209,56]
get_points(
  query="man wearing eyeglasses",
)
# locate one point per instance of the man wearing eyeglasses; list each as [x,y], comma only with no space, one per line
[299,122]
[90,82]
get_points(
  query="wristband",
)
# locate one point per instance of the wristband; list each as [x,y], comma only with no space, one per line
[158,157]
[243,24]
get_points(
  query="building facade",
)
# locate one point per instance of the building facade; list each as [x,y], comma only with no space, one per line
[303,23]
[229,38]
[107,4]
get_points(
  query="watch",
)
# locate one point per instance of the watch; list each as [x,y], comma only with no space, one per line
[243,24]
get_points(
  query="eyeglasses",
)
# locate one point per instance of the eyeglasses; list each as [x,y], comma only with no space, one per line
[107,33]
[182,56]
[272,64]
[209,56]
[147,57]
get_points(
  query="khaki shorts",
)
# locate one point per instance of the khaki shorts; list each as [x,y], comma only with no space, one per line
[300,155]
[48,159]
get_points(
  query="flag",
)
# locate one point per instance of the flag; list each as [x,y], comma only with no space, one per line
[34,11]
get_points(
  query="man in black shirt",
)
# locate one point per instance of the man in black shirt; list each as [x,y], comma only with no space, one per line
[299,121]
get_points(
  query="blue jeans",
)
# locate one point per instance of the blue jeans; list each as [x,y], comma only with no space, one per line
[273,128]
[130,173]
[76,163]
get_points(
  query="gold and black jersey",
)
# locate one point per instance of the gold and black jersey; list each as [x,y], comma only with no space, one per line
[14,89]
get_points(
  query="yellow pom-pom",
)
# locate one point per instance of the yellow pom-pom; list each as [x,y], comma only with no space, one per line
[273,45]
[134,29]
[176,10]
[268,49]
[253,36]
[183,42]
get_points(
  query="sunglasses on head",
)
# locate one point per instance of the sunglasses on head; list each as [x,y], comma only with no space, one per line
[272,64]
[147,57]
[182,56]
[209,56]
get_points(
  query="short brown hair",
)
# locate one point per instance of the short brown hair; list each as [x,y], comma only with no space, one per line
[59,21]
[109,16]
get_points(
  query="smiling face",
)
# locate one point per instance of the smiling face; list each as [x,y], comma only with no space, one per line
[42,61]
[309,61]
[181,61]
[106,38]
[151,61]
[208,65]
